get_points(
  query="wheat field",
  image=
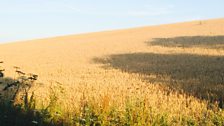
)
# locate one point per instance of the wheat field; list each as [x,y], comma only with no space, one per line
[168,74]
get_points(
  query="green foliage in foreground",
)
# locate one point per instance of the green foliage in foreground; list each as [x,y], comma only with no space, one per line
[25,113]
[17,115]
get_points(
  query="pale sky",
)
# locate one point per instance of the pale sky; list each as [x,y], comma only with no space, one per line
[31,19]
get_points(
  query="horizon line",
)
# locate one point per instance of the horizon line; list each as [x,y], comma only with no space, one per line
[108,30]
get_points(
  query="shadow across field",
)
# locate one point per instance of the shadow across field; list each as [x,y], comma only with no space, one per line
[200,76]
[212,42]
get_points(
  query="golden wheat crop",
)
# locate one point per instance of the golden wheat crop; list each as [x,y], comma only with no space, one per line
[175,70]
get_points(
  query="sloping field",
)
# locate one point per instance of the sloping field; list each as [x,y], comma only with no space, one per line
[145,75]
